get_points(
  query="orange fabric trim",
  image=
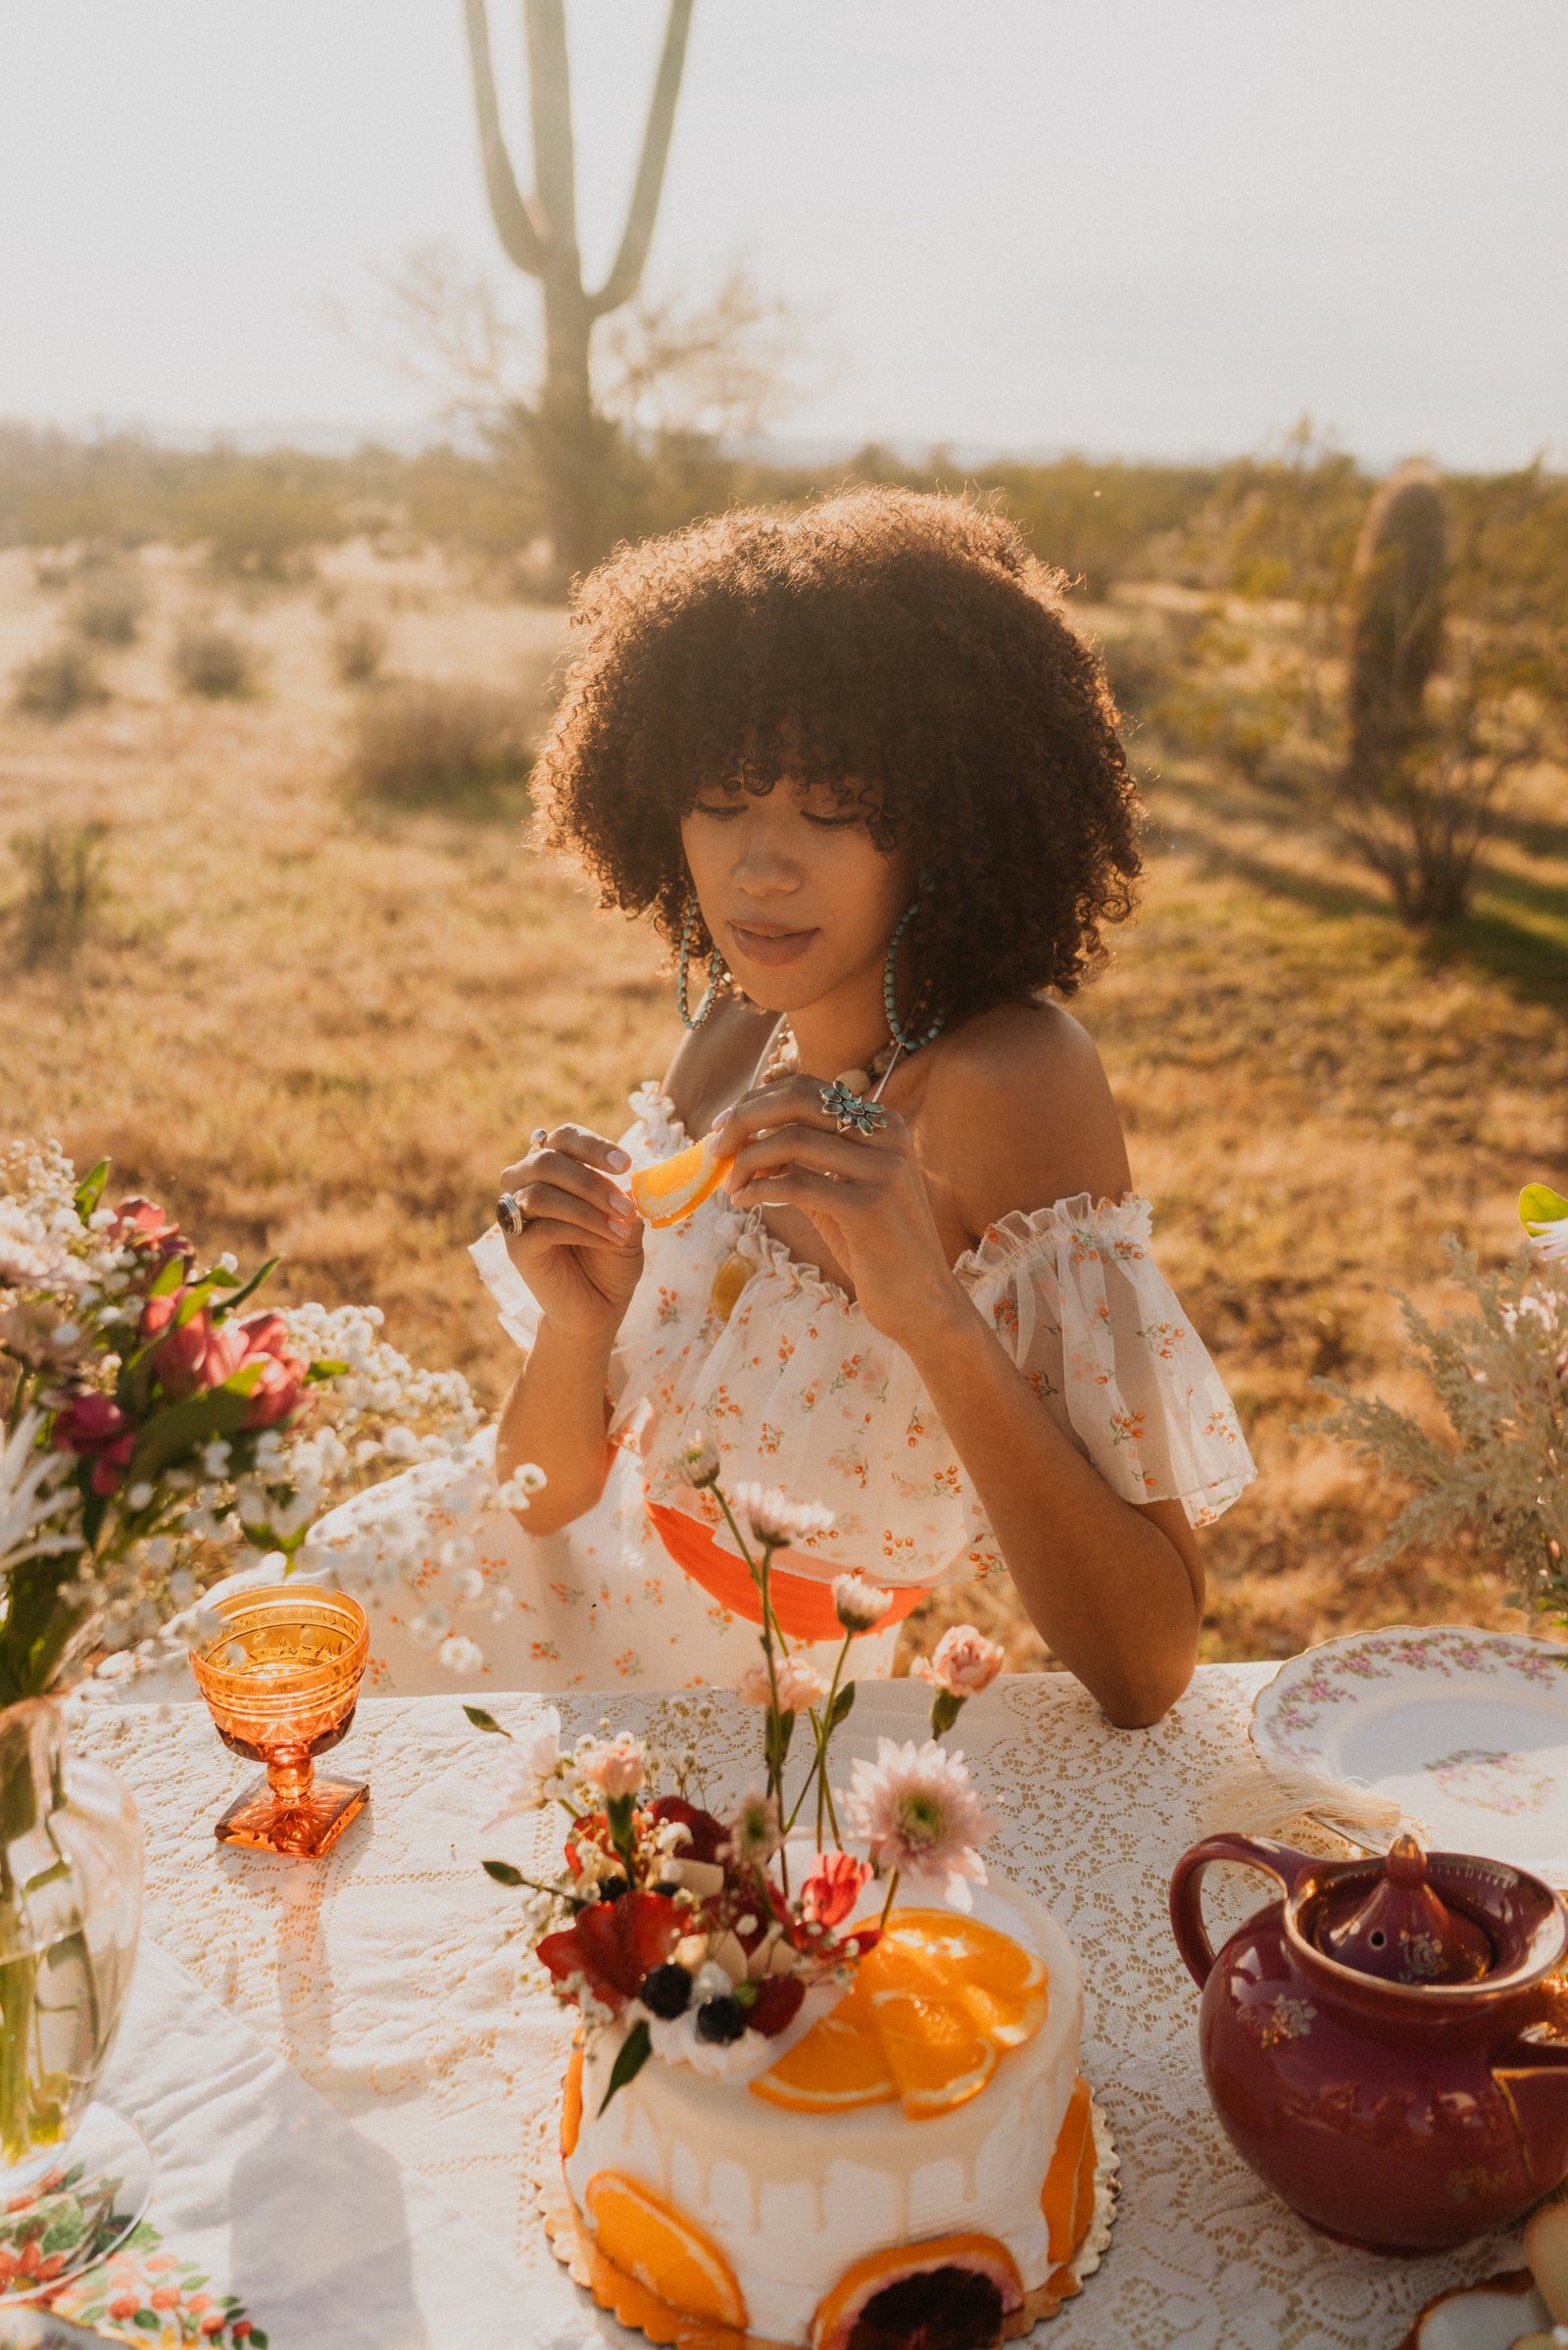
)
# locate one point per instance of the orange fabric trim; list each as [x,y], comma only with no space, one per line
[803,1605]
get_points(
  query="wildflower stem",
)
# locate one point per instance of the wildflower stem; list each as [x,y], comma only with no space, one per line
[893,1888]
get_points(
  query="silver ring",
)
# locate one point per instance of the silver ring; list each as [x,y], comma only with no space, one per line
[509,1215]
[852,1113]
[539,1137]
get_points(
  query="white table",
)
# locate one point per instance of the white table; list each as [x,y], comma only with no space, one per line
[394,1979]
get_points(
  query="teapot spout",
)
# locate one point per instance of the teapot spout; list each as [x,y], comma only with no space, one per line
[1532,2075]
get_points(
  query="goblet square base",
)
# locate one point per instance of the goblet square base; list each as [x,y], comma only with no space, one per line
[305,1827]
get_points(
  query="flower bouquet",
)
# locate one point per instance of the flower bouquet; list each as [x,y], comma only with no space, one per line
[1501,1375]
[156,1437]
[688,1930]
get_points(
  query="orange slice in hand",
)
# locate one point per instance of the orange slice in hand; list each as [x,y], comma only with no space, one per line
[663,2249]
[934,2051]
[1000,1984]
[836,2065]
[671,1187]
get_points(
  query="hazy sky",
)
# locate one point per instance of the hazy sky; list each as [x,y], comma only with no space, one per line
[1150,226]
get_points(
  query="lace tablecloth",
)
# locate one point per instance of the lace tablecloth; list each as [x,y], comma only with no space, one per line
[394,1977]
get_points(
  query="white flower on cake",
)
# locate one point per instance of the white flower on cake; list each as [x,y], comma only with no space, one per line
[538,1767]
[800,1685]
[920,1817]
[859,1605]
[775,1520]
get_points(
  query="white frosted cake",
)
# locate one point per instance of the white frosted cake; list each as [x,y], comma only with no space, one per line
[914,2154]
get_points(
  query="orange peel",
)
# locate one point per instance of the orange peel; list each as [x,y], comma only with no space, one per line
[668,1191]
[661,2249]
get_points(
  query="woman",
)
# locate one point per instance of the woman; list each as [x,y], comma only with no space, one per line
[856,762]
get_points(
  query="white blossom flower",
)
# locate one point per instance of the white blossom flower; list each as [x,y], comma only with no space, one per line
[617,1766]
[698,1463]
[33,1498]
[859,1605]
[755,1832]
[460,1655]
[775,1520]
[537,1770]
[428,1627]
[917,1812]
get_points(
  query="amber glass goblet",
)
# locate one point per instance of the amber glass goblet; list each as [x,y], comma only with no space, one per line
[281,1684]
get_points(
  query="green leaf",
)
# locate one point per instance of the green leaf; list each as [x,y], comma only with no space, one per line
[483,1720]
[325,1368]
[843,1705]
[945,1711]
[503,1871]
[91,1190]
[1540,1205]
[171,1278]
[231,1306]
[635,2050]
[219,1277]
[745,1995]
[171,1435]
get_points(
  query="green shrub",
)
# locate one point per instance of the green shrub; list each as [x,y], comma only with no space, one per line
[213,660]
[64,887]
[58,682]
[430,741]
[358,651]
[109,607]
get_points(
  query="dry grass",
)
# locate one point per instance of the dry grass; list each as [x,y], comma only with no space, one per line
[322,1028]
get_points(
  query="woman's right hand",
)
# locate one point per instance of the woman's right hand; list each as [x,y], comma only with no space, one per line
[581,1249]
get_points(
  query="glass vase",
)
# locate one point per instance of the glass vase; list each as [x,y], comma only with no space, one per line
[73,2177]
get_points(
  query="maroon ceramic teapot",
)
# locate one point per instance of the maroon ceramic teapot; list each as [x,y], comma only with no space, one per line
[1382,2043]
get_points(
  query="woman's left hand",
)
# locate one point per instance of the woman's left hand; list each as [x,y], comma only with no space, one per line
[864,1193]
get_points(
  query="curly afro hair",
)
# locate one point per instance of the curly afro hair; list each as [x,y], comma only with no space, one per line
[905,651]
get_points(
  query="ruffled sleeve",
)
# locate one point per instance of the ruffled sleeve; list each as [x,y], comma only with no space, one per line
[1075,1295]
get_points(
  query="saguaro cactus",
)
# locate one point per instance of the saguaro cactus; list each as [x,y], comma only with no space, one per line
[539,234]
[1396,586]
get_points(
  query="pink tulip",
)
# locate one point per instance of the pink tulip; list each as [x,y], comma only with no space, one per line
[144,1226]
[109,1470]
[183,1350]
[266,1334]
[88,1424]
[276,1391]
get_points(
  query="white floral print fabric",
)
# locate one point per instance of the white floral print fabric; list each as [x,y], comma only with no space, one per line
[797,1390]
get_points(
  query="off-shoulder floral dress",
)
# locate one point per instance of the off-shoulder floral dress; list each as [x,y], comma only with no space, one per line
[797,1390]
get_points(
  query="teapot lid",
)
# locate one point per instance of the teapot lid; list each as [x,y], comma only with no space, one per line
[1401,1930]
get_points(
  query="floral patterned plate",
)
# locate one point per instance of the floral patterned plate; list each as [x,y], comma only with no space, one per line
[1466,1731]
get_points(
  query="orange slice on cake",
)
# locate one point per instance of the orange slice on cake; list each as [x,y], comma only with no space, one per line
[671,1187]
[649,2239]
[1000,1986]
[837,2065]
[934,2051]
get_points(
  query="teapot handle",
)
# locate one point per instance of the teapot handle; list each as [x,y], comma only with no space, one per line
[1187,1888]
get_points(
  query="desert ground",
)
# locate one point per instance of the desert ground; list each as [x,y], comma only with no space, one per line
[318,1023]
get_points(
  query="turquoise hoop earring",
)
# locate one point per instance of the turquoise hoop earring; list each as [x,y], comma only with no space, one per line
[905,1043]
[716,972]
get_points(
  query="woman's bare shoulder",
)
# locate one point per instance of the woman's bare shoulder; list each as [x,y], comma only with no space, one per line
[1019,1112]
[713,1063]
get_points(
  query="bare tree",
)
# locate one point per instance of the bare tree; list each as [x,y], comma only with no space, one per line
[575,446]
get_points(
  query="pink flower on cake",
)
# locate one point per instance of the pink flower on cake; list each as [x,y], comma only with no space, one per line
[617,1766]
[859,1605]
[775,1520]
[918,1814]
[831,1891]
[800,1685]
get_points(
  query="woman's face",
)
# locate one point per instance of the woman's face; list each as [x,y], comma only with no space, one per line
[796,894]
